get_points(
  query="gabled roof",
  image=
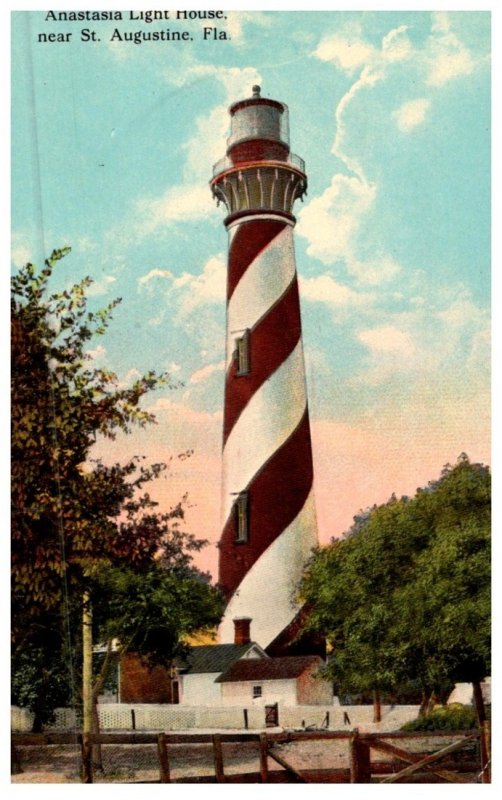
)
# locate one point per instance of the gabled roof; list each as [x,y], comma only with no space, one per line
[217,657]
[260,669]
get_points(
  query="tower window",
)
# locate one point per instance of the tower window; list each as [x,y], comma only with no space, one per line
[241,511]
[257,691]
[242,353]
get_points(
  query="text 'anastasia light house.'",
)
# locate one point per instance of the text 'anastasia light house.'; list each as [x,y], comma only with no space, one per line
[269,525]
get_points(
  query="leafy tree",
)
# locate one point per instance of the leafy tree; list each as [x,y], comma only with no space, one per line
[79,525]
[62,512]
[152,612]
[446,608]
[405,596]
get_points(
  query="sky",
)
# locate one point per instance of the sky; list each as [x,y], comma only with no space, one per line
[112,151]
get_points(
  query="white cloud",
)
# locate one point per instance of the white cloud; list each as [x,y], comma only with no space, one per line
[411,114]
[201,375]
[374,272]
[446,55]
[388,339]
[440,22]
[85,244]
[479,357]
[349,53]
[187,419]
[396,46]
[449,60]
[21,253]
[101,287]
[331,221]
[462,313]
[324,289]
[154,273]
[331,224]
[98,353]
[237,20]
[173,368]
[368,78]
[178,204]
[207,287]
[439,337]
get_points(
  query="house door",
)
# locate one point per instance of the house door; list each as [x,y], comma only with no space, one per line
[272,715]
[175,688]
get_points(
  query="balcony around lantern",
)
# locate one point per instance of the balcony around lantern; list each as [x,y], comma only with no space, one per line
[226,163]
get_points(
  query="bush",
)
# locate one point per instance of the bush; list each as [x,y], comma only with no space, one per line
[454,717]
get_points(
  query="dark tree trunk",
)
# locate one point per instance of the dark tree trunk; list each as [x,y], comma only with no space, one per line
[38,724]
[377,706]
[97,756]
[479,704]
[424,704]
[433,699]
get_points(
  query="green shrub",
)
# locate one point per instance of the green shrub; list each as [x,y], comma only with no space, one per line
[454,717]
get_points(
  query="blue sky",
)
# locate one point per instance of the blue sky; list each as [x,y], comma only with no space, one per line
[112,150]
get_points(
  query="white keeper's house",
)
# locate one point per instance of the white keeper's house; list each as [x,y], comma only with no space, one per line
[243,674]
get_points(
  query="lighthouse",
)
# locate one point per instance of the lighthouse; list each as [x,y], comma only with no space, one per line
[268,513]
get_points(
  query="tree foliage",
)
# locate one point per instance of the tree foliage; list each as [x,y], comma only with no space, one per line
[64,513]
[406,594]
[77,523]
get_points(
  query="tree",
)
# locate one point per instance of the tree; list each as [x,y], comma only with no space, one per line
[76,520]
[446,609]
[405,597]
[63,512]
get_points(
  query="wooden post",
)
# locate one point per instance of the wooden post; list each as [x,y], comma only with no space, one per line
[218,759]
[263,758]
[353,757]
[246,722]
[133,719]
[15,763]
[364,758]
[87,771]
[165,774]
[359,758]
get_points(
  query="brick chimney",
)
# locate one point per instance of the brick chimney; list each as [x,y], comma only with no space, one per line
[242,628]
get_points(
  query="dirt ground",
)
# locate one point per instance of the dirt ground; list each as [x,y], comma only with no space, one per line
[139,763]
[124,763]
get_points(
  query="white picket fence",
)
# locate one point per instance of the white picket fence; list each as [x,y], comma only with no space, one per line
[152,717]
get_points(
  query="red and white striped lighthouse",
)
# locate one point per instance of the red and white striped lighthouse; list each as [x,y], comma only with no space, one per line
[269,525]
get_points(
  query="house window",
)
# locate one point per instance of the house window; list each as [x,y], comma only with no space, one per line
[257,691]
[241,511]
[242,354]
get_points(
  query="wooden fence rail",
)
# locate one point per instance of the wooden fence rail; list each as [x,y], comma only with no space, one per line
[362,769]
